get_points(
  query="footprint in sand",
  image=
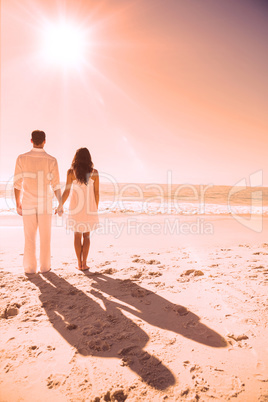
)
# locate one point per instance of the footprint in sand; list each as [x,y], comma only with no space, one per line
[103,264]
[150,262]
[137,276]
[11,310]
[238,338]
[99,345]
[109,271]
[119,395]
[153,262]
[140,260]
[54,381]
[7,367]
[70,327]
[180,310]
[192,272]
[139,293]
[155,274]
[263,398]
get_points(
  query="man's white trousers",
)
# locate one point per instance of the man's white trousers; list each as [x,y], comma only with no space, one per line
[31,223]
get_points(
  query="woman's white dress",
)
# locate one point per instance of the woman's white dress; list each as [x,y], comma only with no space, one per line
[83,211]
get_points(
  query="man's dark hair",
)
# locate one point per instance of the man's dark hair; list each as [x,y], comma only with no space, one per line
[38,137]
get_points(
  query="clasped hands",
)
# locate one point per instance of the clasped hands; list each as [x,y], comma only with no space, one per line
[59,210]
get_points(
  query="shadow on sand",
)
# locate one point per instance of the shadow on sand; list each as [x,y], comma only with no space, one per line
[156,310]
[95,325]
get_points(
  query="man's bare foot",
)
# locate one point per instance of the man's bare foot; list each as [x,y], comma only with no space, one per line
[84,267]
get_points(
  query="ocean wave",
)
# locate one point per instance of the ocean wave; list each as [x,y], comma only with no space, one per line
[7,207]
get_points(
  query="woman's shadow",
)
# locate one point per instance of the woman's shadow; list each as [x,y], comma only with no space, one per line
[96,326]
[156,310]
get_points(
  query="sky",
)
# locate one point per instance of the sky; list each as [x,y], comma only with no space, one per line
[149,87]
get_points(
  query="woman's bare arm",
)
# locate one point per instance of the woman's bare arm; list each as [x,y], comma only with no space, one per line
[69,181]
[95,177]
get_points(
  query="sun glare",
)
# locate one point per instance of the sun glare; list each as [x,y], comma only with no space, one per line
[64,44]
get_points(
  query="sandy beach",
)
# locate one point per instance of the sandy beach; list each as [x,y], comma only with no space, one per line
[157,317]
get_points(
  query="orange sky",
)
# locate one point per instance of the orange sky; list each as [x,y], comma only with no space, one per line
[165,85]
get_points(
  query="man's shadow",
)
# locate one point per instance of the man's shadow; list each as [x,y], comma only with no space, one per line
[96,326]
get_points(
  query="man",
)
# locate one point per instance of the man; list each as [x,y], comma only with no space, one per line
[35,173]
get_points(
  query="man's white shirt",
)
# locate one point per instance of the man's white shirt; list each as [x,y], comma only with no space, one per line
[36,174]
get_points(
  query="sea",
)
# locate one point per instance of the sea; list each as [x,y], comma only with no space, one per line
[175,199]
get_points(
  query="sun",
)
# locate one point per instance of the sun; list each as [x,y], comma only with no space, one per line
[64,44]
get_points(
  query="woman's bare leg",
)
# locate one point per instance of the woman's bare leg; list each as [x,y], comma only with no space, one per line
[78,248]
[85,250]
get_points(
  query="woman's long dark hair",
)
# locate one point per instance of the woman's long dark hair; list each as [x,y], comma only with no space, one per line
[82,165]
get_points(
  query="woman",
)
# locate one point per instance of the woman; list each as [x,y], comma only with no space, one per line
[83,180]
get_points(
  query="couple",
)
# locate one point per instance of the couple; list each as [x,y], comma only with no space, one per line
[36,175]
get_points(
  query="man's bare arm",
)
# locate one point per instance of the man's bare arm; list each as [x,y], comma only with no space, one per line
[18,200]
